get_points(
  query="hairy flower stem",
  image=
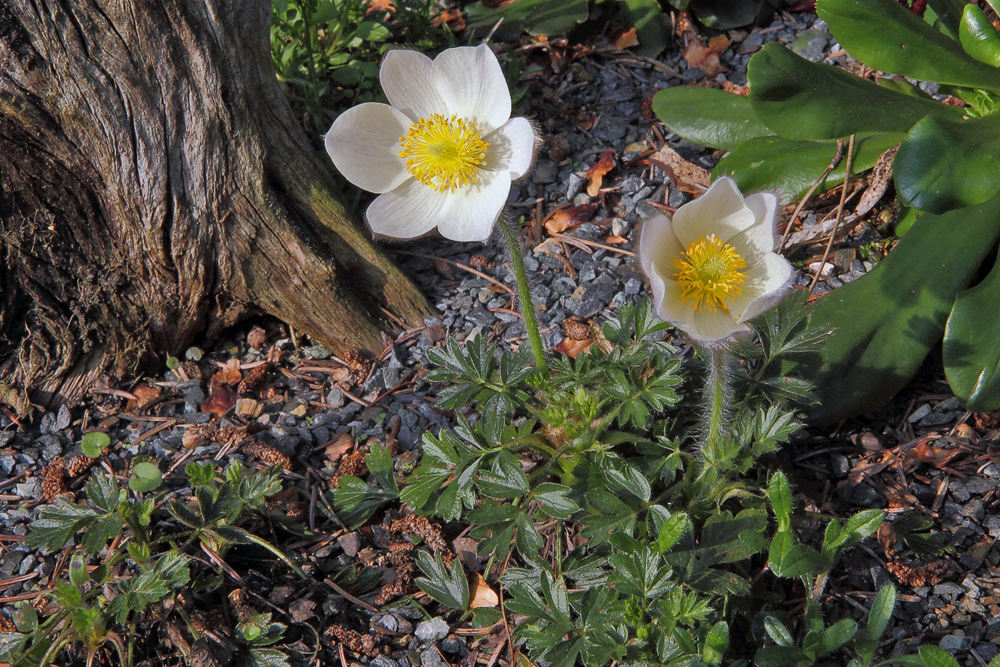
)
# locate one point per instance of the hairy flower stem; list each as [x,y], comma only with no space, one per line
[717,394]
[524,293]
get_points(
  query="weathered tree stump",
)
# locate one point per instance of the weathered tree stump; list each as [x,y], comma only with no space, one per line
[154,186]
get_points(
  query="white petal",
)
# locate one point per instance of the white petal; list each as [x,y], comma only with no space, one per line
[407,83]
[512,147]
[473,209]
[411,210]
[719,211]
[364,145]
[703,326]
[763,287]
[759,238]
[658,245]
[470,81]
[668,297]
[709,327]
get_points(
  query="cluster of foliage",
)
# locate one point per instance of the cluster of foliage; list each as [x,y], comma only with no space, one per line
[326,52]
[783,136]
[651,19]
[609,534]
[136,560]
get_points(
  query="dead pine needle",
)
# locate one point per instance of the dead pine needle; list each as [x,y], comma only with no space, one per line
[837,157]
[840,212]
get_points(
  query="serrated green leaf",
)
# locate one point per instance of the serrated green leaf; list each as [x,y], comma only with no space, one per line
[356,501]
[881,611]
[837,635]
[777,631]
[716,644]
[267,657]
[136,594]
[505,480]
[446,584]
[555,501]
[102,531]
[779,492]
[102,490]
[380,465]
[527,539]
[57,525]
[864,523]
[672,531]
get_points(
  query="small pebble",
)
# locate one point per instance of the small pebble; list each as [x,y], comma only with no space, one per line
[432,630]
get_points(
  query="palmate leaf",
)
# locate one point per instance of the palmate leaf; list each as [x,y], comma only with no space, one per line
[446,584]
[58,523]
[356,501]
[168,575]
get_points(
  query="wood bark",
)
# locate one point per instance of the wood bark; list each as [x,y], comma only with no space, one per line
[155,186]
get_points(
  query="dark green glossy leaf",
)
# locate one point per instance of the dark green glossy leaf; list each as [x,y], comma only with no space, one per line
[726,14]
[791,167]
[798,99]
[652,25]
[880,327]
[948,14]
[978,36]
[943,165]
[972,346]
[538,17]
[887,37]
[708,117]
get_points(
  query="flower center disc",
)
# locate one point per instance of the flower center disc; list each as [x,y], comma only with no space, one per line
[708,273]
[443,153]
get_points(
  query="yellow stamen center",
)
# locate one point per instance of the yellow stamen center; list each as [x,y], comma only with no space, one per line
[708,272]
[444,153]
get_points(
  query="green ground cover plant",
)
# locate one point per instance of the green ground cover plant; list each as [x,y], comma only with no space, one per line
[326,52]
[137,557]
[783,135]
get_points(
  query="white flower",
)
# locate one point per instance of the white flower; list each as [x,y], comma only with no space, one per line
[712,267]
[444,154]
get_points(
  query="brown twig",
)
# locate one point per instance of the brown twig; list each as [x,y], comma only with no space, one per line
[840,212]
